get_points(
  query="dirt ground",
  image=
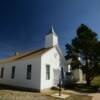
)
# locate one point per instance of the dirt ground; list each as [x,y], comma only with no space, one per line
[22,95]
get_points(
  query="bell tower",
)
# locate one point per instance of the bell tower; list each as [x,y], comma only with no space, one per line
[51,38]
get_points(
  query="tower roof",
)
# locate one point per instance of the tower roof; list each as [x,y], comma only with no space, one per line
[51,30]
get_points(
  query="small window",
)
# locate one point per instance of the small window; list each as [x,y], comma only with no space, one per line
[29,70]
[47,72]
[2,72]
[69,68]
[13,72]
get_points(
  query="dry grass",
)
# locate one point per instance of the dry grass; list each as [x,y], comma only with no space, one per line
[22,95]
[79,97]
[96,81]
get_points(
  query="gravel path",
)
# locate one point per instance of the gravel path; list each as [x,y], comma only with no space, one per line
[21,95]
[17,95]
[95,96]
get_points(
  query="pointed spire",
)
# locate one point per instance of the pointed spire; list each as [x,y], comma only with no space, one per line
[51,30]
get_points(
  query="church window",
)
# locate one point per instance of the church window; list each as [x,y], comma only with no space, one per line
[29,70]
[47,72]
[2,72]
[13,72]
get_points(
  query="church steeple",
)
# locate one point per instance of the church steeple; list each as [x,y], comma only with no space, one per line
[51,38]
[51,30]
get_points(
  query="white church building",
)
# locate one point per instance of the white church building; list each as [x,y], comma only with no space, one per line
[40,69]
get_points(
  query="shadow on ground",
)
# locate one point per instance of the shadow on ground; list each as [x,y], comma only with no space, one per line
[14,88]
[27,94]
[83,88]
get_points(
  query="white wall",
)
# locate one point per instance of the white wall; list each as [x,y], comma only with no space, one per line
[21,72]
[78,75]
[52,57]
[38,80]
[69,68]
[51,40]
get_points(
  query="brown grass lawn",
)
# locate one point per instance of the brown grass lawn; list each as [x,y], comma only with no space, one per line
[22,95]
[96,81]
[79,97]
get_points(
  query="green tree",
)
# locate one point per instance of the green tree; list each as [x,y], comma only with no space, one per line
[72,53]
[85,44]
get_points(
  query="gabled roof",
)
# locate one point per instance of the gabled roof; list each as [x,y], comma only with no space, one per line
[26,55]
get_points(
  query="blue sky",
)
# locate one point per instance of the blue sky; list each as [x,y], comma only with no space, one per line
[24,23]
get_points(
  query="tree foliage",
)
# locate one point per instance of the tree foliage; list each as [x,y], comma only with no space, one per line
[87,46]
[72,53]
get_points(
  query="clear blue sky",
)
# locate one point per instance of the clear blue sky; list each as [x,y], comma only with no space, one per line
[24,23]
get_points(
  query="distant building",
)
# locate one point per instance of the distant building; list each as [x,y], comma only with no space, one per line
[75,75]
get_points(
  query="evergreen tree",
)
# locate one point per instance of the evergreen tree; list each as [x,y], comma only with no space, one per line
[84,44]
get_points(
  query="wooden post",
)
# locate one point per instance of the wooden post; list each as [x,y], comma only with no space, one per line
[59,87]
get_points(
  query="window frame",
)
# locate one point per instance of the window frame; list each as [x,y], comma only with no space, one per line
[29,72]
[2,72]
[47,72]
[13,72]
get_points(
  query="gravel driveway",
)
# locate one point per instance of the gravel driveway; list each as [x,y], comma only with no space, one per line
[22,95]
[17,95]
